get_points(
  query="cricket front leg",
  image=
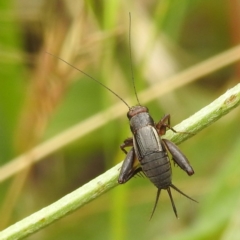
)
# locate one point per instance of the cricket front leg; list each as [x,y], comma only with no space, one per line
[163,124]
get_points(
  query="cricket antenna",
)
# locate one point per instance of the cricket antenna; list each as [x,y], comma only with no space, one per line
[94,79]
[130,58]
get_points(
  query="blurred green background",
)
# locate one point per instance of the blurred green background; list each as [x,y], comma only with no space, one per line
[40,97]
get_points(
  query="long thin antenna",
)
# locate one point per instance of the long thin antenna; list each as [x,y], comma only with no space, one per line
[90,78]
[130,56]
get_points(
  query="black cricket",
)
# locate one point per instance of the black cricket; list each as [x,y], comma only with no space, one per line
[149,151]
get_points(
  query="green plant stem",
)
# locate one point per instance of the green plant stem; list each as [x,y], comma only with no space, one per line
[206,116]
[200,120]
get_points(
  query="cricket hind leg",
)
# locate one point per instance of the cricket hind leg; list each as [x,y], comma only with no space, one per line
[130,167]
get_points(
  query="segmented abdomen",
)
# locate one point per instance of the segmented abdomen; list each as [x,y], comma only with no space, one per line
[153,157]
[157,168]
